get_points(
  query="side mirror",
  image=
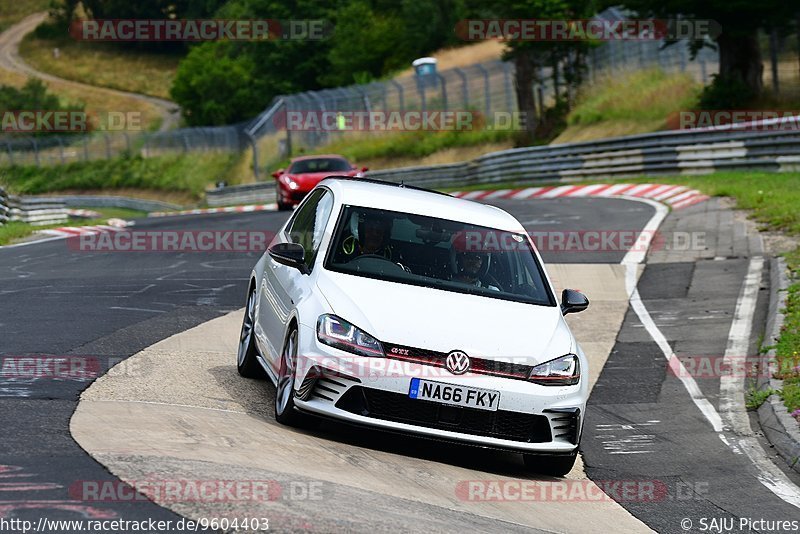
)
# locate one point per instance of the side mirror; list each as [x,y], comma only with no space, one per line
[573,301]
[277,173]
[289,254]
[364,169]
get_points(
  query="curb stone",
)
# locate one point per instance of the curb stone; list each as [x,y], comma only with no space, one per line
[780,428]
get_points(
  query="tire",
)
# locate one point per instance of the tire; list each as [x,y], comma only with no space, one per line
[282,206]
[285,412]
[246,362]
[556,466]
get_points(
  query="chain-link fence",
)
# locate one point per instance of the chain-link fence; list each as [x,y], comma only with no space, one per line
[483,89]
[60,149]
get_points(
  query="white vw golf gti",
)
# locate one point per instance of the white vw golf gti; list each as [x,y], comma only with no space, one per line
[412,311]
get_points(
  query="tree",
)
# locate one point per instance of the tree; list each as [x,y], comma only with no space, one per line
[215,86]
[739,54]
[530,57]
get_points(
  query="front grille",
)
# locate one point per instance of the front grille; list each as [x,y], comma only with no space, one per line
[397,407]
[477,365]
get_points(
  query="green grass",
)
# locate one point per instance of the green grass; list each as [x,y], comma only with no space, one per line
[417,144]
[756,398]
[14,231]
[772,198]
[788,346]
[187,174]
[109,65]
[637,102]
[14,11]
[645,96]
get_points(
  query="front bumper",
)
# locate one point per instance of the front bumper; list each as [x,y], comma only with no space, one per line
[374,392]
[291,196]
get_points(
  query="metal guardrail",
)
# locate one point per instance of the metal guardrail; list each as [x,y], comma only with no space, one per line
[669,152]
[260,193]
[36,211]
[677,152]
[3,206]
[99,201]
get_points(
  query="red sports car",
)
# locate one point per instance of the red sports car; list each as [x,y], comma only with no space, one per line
[306,172]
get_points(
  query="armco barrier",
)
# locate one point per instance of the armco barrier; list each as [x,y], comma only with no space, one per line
[668,152]
[36,211]
[80,201]
[260,193]
[674,152]
[3,206]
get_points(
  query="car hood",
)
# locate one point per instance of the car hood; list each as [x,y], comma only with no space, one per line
[443,321]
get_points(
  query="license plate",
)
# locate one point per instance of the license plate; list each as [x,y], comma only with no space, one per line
[482,399]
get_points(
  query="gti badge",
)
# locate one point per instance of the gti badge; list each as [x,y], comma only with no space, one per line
[457,362]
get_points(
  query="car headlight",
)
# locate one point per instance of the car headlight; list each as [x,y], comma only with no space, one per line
[291,183]
[563,371]
[337,332]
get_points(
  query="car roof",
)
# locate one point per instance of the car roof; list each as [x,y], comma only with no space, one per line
[394,197]
[319,156]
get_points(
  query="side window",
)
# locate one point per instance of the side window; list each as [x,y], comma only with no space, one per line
[309,221]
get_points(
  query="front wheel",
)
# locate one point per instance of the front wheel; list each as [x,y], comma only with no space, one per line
[283,206]
[246,362]
[556,466]
[285,412]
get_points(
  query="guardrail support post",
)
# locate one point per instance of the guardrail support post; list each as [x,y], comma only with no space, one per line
[464,88]
[444,90]
[421,91]
[486,89]
[108,145]
[10,153]
[61,149]
[400,96]
[255,152]
[36,152]
[507,83]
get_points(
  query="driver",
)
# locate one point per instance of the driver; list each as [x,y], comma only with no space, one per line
[469,266]
[371,236]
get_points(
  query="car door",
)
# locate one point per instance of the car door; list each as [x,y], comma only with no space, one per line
[282,287]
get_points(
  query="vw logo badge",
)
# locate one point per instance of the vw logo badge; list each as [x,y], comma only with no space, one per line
[457,362]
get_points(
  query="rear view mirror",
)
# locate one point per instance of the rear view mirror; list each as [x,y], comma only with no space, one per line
[573,301]
[277,173]
[289,254]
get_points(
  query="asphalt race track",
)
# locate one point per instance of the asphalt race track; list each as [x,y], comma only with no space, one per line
[174,408]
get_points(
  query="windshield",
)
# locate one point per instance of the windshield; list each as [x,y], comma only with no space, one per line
[319,165]
[437,253]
